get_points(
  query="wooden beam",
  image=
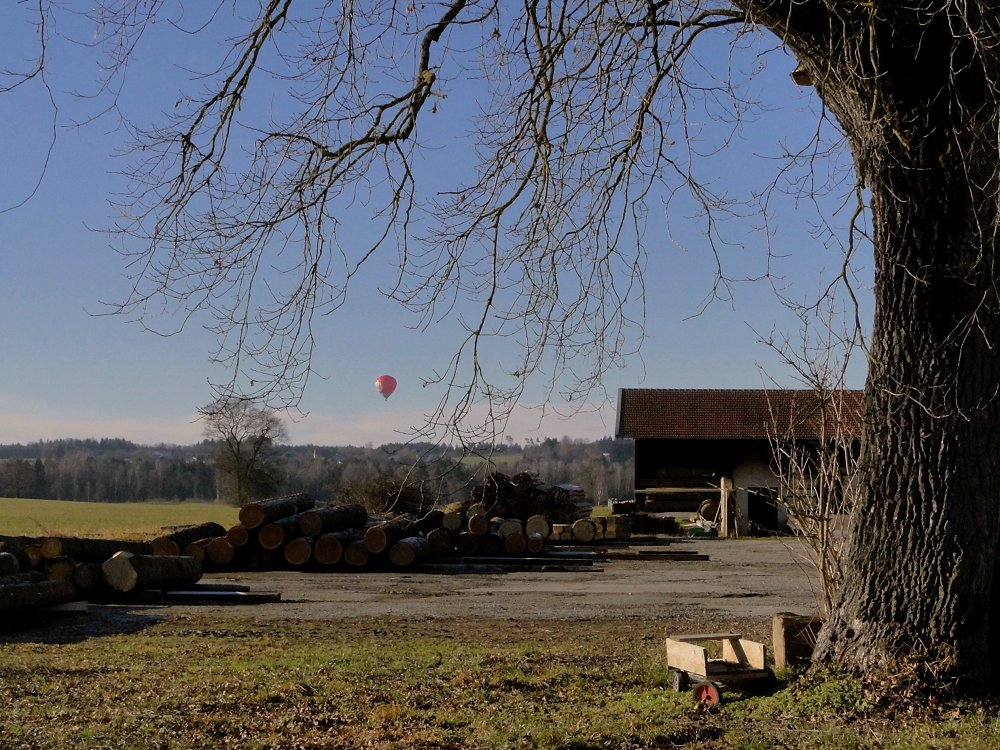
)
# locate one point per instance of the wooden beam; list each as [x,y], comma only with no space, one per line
[687,657]
[688,638]
[744,652]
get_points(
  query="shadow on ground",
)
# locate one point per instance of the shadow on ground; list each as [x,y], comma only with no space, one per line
[63,627]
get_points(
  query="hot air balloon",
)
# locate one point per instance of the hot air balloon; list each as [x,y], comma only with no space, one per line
[385,385]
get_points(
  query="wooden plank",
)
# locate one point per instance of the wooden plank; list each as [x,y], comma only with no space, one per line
[661,556]
[676,490]
[688,637]
[222,597]
[218,586]
[68,608]
[524,562]
[746,653]
[687,657]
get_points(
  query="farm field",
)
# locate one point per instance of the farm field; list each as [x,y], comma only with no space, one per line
[20,517]
[548,660]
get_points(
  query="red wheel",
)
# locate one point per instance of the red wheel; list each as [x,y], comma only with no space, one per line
[707,694]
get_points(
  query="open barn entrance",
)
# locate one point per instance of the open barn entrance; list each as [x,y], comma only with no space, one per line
[762,510]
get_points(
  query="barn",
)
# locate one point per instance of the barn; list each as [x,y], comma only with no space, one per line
[693,445]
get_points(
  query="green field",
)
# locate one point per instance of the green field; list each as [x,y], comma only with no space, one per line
[112,520]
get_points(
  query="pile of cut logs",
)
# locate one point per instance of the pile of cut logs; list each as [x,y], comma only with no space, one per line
[37,573]
[597,529]
[523,495]
[294,531]
[289,531]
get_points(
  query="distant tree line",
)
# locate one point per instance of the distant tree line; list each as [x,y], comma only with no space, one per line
[116,470]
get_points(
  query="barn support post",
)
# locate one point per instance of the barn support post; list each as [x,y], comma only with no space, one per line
[726,525]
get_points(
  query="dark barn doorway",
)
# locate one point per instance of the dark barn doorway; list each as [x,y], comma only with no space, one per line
[762,510]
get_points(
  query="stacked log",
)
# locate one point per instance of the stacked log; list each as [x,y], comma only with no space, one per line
[299,551]
[381,537]
[356,554]
[347,535]
[60,568]
[219,551]
[442,540]
[332,518]
[594,529]
[174,543]
[8,564]
[329,548]
[57,569]
[89,550]
[408,550]
[238,535]
[253,515]
[31,594]
[27,550]
[86,577]
[523,495]
[452,517]
[126,571]
[279,532]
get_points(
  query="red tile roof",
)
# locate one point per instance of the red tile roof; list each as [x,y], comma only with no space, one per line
[733,414]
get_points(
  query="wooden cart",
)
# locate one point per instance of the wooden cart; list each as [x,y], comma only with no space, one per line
[743,664]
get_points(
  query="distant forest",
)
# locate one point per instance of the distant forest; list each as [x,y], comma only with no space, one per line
[116,470]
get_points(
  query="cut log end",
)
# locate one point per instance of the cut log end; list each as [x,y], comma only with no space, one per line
[299,551]
[407,551]
[8,564]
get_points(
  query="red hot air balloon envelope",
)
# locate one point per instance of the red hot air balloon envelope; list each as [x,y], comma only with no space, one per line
[385,385]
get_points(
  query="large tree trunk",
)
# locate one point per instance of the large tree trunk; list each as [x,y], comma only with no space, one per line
[924,550]
[912,92]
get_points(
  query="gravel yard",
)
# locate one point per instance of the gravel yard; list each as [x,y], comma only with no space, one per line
[743,579]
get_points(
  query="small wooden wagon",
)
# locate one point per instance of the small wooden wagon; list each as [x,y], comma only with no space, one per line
[743,664]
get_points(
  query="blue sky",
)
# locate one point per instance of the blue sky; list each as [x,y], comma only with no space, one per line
[69,371]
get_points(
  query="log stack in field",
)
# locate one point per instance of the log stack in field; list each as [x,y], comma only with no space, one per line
[40,573]
[58,569]
[510,522]
[295,532]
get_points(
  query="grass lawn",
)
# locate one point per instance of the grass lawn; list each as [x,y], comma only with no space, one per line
[196,682]
[128,679]
[113,520]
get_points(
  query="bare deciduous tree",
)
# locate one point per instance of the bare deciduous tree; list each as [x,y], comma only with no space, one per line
[247,467]
[819,473]
[586,108]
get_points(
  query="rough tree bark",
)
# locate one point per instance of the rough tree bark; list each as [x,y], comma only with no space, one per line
[914,93]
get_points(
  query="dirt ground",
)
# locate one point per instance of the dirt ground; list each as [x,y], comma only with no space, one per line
[743,580]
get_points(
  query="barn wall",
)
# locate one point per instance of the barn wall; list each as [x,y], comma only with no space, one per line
[755,472]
